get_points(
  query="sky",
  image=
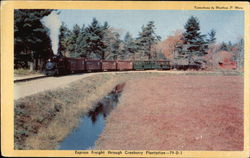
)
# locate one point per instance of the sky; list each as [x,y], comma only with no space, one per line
[229,24]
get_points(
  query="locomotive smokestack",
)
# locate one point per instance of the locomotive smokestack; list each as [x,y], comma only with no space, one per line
[53,23]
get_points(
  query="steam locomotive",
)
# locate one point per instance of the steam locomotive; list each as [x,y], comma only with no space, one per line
[59,65]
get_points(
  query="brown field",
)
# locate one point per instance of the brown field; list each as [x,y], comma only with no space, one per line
[177,112]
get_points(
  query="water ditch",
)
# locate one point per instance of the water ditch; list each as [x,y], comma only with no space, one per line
[92,124]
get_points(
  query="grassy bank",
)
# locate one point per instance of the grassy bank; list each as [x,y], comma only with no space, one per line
[23,72]
[44,119]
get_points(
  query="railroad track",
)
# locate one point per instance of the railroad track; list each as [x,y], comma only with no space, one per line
[29,78]
[24,79]
[175,72]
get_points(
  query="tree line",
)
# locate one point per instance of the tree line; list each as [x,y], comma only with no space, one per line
[192,47]
[101,41]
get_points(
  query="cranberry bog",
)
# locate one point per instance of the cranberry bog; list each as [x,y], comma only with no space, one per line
[177,112]
[157,110]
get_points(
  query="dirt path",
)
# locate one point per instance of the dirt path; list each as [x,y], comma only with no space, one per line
[177,113]
[24,89]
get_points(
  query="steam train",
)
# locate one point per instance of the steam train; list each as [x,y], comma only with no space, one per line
[59,65]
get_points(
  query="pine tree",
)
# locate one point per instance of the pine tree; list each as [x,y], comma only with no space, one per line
[95,45]
[224,46]
[212,38]
[194,43]
[31,40]
[63,39]
[81,42]
[130,46]
[113,43]
[147,38]
[73,42]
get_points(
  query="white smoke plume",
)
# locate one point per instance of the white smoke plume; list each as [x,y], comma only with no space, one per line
[53,23]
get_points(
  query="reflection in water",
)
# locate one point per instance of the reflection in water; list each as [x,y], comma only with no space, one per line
[92,124]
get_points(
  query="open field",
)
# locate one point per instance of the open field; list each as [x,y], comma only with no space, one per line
[44,119]
[177,113]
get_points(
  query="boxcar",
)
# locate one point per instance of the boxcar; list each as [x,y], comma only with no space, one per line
[156,65]
[93,65]
[164,65]
[147,65]
[124,65]
[75,64]
[138,65]
[108,65]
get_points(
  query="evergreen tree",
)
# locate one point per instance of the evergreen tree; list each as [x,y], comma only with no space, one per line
[63,39]
[194,43]
[212,38]
[73,42]
[31,41]
[147,38]
[81,42]
[116,47]
[224,46]
[128,38]
[113,43]
[130,46]
[230,46]
[95,45]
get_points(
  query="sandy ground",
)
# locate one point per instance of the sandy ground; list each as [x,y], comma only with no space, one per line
[177,113]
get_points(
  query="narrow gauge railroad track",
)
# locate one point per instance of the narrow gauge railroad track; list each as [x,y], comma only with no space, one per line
[24,79]
[32,86]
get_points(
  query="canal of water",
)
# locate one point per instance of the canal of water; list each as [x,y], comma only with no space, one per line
[92,124]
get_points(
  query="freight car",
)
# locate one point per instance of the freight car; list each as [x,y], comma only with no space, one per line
[59,65]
